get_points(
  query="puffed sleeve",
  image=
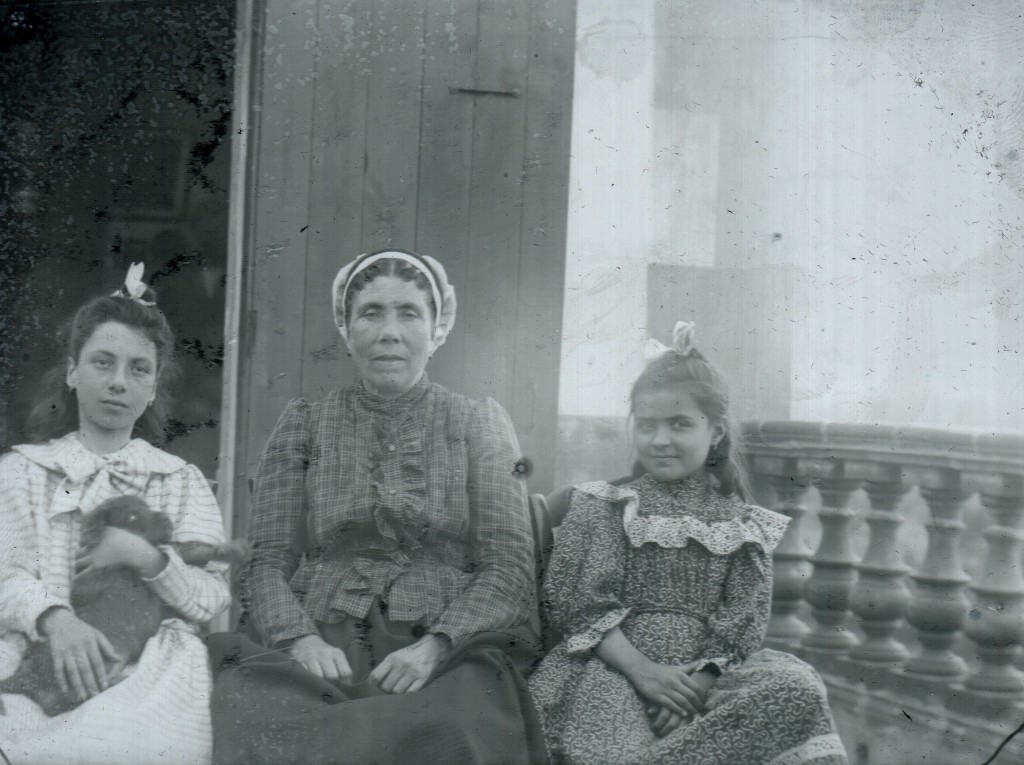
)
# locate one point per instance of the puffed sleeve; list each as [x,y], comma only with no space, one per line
[738,625]
[198,593]
[582,586]
[23,596]
[277,530]
[500,593]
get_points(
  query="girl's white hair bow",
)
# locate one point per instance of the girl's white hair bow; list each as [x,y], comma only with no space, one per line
[682,343]
[134,288]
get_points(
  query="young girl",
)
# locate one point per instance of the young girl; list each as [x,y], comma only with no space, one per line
[661,590]
[92,430]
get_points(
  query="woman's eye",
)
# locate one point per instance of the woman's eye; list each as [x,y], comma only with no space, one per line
[102,363]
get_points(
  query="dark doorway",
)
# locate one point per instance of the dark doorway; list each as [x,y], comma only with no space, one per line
[114,147]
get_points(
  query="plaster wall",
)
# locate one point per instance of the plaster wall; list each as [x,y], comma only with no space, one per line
[868,148]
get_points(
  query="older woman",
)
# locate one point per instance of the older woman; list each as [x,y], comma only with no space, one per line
[391,580]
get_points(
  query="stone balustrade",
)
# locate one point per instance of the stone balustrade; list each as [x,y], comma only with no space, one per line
[926,642]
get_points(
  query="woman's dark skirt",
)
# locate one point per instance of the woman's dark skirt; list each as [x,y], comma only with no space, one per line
[268,709]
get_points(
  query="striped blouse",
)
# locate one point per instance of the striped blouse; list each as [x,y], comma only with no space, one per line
[415,502]
[157,711]
[44,491]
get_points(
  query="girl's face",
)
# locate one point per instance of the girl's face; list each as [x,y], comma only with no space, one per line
[389,335]
[115,379]
[672,435]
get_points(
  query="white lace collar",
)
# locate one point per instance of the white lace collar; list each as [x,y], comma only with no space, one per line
[750,523]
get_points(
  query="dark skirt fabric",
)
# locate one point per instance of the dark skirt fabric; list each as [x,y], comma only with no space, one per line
[268,709]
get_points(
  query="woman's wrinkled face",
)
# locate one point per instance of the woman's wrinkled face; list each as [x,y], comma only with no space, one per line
[114,377]
[389,335]
[672,435]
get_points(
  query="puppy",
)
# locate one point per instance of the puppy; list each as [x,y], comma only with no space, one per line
[114,600]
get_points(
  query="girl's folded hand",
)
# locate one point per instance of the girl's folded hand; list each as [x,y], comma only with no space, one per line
[670,686]
[663,720]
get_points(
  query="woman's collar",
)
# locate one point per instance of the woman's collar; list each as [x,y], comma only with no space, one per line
[400,403]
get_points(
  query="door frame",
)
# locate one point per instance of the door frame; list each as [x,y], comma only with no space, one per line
[232,478]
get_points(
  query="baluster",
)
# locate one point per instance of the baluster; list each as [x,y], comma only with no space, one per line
[996,626]
[938,605]
[882,597]
[791,568]
[834,574]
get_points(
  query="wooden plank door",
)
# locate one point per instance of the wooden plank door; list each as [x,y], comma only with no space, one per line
[434,125]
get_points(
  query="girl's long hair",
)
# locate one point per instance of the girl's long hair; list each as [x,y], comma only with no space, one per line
[55,411]
[702,380]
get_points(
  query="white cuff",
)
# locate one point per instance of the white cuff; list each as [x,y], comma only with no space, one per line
[594,634]
[172,585]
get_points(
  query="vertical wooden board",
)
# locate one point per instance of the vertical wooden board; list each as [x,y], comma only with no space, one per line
[395,69]
[446,147]
[281,189]
[495,201]
[547,137]
[345,30]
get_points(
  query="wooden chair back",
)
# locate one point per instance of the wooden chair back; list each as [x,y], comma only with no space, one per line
[546,515]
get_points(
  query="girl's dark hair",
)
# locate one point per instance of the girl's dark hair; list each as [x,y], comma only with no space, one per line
[702,380]
[55,412]
[389,267]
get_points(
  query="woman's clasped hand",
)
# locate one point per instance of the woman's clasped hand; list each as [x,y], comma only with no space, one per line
[405,670]
[408,669]
[321,658]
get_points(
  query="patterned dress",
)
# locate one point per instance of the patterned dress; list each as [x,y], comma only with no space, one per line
[686,575]
[158,710]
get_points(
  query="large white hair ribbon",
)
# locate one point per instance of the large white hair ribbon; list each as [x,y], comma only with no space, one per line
[682,343]
[134,288]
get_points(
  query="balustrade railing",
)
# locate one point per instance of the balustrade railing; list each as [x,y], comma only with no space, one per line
[931,630]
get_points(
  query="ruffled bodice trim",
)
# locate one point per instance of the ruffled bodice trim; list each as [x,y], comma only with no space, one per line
[411,501]
[721,524]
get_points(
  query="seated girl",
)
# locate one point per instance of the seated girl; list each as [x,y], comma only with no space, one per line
[93,427]
[662,588]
